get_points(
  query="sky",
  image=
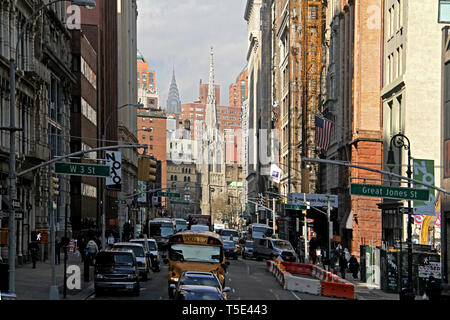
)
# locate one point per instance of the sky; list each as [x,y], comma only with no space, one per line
[179,34]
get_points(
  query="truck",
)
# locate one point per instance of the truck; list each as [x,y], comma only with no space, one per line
[200,219]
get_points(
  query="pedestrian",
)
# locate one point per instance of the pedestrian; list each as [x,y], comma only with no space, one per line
[110,240]
[81,247]
[325,259]
[319,255]
[343,265]
[347,254]
[57,251]
[34,249]
[433,289]
[312,254]
[354,266]
[92,249]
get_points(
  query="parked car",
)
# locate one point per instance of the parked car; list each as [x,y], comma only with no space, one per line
[116,269]
[247,249]
[152,249]
[193,292]
[197,278]
[142,258]
[231,249]
[268,248]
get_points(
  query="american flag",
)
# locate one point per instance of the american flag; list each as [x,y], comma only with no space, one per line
[323,132]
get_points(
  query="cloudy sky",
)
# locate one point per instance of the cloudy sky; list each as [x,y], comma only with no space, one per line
[180,33]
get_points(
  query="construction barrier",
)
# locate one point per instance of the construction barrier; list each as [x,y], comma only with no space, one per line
[325,282]
[338,289]
[297,268]
[301,284]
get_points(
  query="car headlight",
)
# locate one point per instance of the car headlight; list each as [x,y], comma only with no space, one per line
[99,276]
[174,279]
[130,276]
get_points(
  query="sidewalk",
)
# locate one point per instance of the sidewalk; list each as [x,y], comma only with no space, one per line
[34,284]
[368,291]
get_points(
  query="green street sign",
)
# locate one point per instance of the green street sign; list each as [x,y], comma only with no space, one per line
[296,207]
[169,194]
[180,202]
[80,169]
[378,191]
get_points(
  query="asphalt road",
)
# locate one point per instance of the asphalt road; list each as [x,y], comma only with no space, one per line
[248,280]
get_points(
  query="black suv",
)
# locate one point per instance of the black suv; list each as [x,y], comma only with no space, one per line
[116,269]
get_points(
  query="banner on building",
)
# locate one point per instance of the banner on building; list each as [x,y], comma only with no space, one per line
[423,171]
[114,161]
[275,173]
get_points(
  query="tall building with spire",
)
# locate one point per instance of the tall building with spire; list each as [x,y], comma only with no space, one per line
[173,100]
[213,155]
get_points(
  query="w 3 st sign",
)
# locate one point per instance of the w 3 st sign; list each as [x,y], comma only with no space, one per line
[114,161]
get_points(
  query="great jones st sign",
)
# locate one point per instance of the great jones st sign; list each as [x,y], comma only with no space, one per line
[378,191]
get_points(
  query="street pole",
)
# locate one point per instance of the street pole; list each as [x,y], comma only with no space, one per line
[330,229]
[273,215]
[305,228]
[53,294]
[65,252]
[410,257]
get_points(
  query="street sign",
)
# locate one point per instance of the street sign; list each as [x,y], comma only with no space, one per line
[296,207]
[169,194]
[180,202]
[379,191]
[315,200]
[80,169]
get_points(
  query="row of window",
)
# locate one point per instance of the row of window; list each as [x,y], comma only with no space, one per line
[175,178]
[88,111]
[394,18]
[88,73]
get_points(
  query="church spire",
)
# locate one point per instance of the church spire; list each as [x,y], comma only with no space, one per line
[211,108]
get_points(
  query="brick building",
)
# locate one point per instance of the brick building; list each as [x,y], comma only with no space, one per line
[353,103]
[238,91]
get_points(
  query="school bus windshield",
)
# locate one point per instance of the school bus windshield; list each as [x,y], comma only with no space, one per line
[195,253]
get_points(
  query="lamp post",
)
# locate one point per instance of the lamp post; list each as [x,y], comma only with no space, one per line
[139,106]
[401,141]
[12,177]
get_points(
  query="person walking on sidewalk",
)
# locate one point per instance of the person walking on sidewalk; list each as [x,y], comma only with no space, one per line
[433,289]
[92,250]
[343,264]
[57,251]
[34,249]
[110,240]
[354,266]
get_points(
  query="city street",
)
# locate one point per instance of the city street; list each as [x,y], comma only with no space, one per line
[248,280]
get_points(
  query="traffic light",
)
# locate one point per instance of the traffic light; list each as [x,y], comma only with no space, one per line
[266,201]
[54,187]
[146,169]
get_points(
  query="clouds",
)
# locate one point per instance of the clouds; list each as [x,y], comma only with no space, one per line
[179,33]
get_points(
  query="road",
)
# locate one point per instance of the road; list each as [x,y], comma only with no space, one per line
[248,280]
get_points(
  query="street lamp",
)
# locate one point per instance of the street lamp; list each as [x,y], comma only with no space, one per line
[89,4]
[401,141]
[138,106]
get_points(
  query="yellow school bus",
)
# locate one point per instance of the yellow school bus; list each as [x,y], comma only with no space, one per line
[195,251]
